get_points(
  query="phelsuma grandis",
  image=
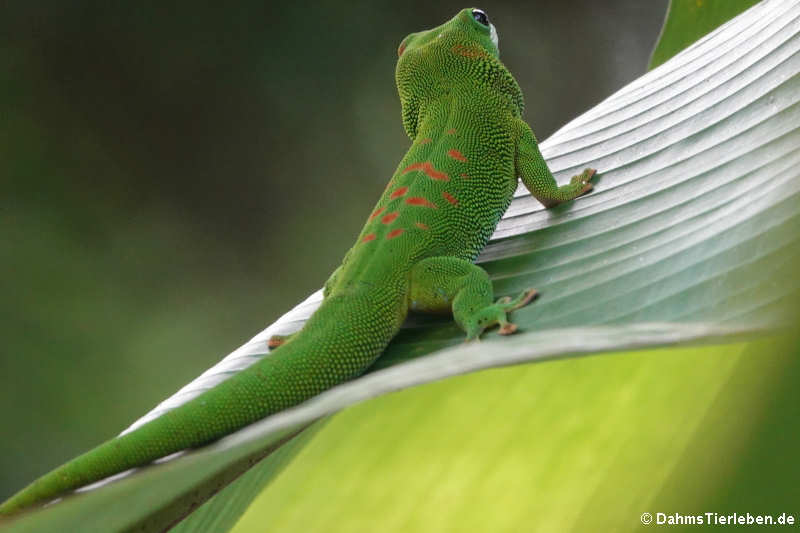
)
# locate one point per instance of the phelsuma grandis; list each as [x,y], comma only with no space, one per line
[462,110]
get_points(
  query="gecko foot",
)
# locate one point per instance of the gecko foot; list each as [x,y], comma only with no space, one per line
[278,340]
[584,179]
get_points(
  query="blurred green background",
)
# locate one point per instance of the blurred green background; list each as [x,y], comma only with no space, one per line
[173,178]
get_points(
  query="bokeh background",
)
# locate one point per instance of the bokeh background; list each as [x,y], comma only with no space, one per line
[174,177]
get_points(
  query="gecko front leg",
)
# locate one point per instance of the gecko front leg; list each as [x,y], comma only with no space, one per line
[537,178]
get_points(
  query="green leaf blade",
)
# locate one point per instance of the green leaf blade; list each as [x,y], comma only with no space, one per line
[688,20]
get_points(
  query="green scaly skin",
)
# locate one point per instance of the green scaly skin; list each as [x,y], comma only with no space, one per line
[462,108]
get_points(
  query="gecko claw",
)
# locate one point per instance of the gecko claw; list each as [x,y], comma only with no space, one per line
[507,329]
[526,297]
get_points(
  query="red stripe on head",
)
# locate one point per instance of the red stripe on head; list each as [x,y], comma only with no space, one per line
[426,140]
[398,193]
[420,225]
[388,219]
[419,200]
[395,233]
[377,212]
[469,51]
[428,169]
[368,237]
[449,198]
[455,154]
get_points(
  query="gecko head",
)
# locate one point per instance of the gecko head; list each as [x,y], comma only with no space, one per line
[469,28]
[461,53]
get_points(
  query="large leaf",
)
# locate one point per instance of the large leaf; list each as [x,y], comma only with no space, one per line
[578,445]
[692,224]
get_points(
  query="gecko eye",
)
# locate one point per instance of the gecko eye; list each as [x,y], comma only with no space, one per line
[481,17]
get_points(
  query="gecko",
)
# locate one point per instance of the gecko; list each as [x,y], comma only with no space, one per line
[462,110]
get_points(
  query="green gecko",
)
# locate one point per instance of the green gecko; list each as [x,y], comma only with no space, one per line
[462,110]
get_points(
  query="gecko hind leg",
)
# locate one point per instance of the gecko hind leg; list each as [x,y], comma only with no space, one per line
[441,284]
[496,313]
[279,340]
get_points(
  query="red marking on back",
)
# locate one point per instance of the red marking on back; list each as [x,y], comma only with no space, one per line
[398,193]
[465,176]
[388,219]
[449,198]
[368,237]
[451,131]
[420,225]
[377,212]
[395,233]
[426,140]
[455,154]
[418,200]
[401,49]
[428,169]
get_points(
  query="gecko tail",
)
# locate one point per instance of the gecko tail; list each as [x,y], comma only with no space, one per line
[339,342]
